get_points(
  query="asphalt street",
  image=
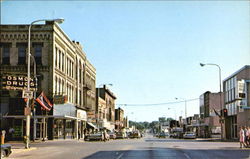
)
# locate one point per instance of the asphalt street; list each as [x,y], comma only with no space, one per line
[148,147]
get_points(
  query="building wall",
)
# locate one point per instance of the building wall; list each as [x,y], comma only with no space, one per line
[237,116]
[64,68]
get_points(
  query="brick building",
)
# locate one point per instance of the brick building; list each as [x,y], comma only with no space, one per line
[64,74]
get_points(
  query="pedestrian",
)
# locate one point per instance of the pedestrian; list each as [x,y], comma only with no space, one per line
[104,136]
[242,137]
[248,136]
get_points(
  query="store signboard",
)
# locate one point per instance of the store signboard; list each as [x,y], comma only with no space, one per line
[82,114]
[60,99]
[17,82]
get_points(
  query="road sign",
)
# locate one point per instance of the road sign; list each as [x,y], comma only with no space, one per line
[27,94]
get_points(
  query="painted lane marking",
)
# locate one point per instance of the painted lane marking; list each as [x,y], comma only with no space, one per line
[186,155]
[120,156]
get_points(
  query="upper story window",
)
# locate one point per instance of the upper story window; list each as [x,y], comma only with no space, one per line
[6,53]
[59,59]
[38,52]
[21,53]
[56,57]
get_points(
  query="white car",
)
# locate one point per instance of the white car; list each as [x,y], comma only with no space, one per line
[189,135]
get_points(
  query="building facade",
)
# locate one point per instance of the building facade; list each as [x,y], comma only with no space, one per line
[64,74]
[236,88]
[105,113]
[209,114]
[119,119]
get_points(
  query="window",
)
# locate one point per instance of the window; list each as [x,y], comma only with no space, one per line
[59,59]
[38,53]
[56,57]
[21,53]
[62,62]
[6,54]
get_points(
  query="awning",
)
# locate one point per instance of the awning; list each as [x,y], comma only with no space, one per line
[92,125]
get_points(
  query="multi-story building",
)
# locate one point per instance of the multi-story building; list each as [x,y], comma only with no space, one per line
[236,89]
[64,74]
[108,110]
[119,119]
[210,109]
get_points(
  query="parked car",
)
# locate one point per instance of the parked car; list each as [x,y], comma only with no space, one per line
[162,135]
[135,134]
[95,136]
[5,150]
[189,135]
[121,135]
[112,135]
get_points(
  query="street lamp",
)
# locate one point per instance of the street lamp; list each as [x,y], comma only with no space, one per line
[28,77]
[110,84]
[185,105]
[212,64]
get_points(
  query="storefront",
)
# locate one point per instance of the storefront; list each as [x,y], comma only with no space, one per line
[68,122]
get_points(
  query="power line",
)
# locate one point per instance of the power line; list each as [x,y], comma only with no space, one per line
[154,104]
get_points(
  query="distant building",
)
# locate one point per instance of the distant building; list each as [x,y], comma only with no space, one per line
[105,113]
[209,120]
[236,88]
[119,119]
[64,74]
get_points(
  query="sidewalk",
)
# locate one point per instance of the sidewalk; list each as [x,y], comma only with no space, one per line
[216,140]
[19,146]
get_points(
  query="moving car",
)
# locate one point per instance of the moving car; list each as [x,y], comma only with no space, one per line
[189,135]
[5,150]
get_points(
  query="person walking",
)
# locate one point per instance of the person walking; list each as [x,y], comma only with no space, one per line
[242,137]
[248,136]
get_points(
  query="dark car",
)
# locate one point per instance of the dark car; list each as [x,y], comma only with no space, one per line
[162,135]
[5,150]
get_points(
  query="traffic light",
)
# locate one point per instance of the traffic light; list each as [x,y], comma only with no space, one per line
[225,112]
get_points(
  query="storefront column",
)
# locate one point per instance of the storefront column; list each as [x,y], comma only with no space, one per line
[64,128]
[76,129]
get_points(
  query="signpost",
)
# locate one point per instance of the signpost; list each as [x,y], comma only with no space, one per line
[27,94]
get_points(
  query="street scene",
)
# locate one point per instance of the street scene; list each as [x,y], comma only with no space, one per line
[148,147]
[125,79]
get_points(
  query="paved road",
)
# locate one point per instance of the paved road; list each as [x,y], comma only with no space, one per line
[145,148]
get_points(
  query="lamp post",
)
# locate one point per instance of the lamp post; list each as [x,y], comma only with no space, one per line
[27,141]
[110,84]
[212,64]
[34,109]
[185,105]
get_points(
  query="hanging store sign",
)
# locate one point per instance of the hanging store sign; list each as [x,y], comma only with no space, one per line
[17,82]
[60,99]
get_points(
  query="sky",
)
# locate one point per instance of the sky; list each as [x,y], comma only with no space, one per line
[150,50]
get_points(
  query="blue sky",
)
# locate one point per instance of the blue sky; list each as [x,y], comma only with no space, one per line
[150,51]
